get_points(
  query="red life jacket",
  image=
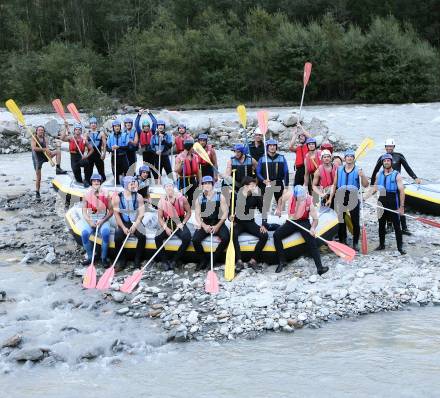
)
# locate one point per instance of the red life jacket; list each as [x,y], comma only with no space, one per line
[301,152]
[96,204]
[190,167]
[326,178]
[304,207]
[179,140]
[81,145]
[313,163]
[173,210]
[145,137]
[210,151]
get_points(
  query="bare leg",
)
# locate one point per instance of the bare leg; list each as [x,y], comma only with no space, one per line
[37,180]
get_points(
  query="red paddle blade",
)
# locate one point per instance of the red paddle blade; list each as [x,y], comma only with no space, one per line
[211,283]
[131,282]
[89,280]
[427,221]
[74,112]
[58,106]
[307,72]
[263,118]
[343,251]
[106,279]
[364,243]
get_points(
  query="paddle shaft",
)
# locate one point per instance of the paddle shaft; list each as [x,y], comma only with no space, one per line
[307,230]
[158,250]
[51,162]
[160,158]
[393,211]
[94,245]
[212,255]
[114,160]
[301,104]
[120,250]
[78,119]
[232,207]
[265,156]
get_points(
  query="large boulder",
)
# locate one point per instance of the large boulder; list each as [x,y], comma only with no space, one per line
[276,128]
[52,127]
[290,120]
[9,127]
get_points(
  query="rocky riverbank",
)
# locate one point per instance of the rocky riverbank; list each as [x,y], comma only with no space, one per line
[252,304]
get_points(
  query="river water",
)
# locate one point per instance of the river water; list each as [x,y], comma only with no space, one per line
[392,354]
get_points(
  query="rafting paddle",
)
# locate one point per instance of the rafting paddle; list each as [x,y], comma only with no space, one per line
[364,241]
[242,116]
[306,77]
[343,251]
[230,251]
[363,148]
[263,117]
[211,282]
[89,280]
[106,279]
[131,281]
[203,154]
[16,112]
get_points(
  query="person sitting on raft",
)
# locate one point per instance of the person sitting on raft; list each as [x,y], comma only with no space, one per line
[173,213]
[96,210]
[118,143]
[187,167]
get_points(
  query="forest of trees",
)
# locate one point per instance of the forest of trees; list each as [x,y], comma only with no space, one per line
[175,52]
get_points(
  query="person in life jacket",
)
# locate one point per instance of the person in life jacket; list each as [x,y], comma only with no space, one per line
[278,172]
[133,140]
[181,137]
[39,157]
[249,199]
[145,133]
[324,177]
[80,151]
[337,160]
[299,146]
[398,161]
[312,161]
[97,210]
[188,170]
[300,209]
[161,143]
[143,180]
[129,210]
[98,141]
[118,141]
[256,148]
[345,192]
[242,163]
[173,213]
[389,183]
[211,212]
[205,168]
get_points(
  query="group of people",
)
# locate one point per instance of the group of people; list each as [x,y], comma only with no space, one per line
[258,174]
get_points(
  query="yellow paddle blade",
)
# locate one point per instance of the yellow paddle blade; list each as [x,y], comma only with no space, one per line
[15,110]
[202,153]
[348,222]
[364,147]
[230,262]
[241,110]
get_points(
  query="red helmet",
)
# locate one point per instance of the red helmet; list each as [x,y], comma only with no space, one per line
[328,146]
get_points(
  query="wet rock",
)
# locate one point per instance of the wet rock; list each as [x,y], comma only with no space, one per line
[123,311]
[92,354]
[12,342]
[50,256]
[302,316]
[181,333]
[51,277]
[193,317]
[118,296]
[154,313]
[28,354]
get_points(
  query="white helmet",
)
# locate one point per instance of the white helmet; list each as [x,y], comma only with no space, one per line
[389,142]
[257,131]
[325,152]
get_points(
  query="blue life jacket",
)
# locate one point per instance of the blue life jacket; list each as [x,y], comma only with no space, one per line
[131,134]
[275,166]
[348,180]
[130,208]
[241,169]
[118,139]
[214,213]
[388,182]
[95,139]
[165,143]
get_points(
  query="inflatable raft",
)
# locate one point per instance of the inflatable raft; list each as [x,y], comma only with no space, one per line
[423,197]
[294,245]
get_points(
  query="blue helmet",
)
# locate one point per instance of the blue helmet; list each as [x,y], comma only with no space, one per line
[349,152]
[127,180]
[271,142]
[310,141]
[161,122]
[143,168]
[93,120]
[128,120]
[145,123]
[203,137]
[386,156]
[182,125]
[299,191]
[207,179]
[77,126]
[96,177]
[241,148]
[116,122]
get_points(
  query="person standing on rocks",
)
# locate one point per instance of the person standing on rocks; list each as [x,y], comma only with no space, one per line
[312,161]
[248,200]
[324,177]
[299,146]
[97,210]
[161,143]
[145,134]
[242,163]
[346,185]
[181,137]
[143,180]
[129,211]
[118,142]
[256,148]
[211,211]
[173,213]
[40,155]
[299,210]
[398,161]
[133,141]
[278,169]
[205,168]
[80,152]
[98,140]
[392,196]
[187,167]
